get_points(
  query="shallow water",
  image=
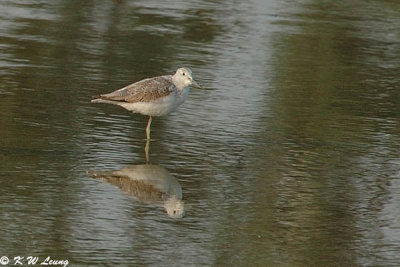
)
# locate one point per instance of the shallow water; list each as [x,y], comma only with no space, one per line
[291,158]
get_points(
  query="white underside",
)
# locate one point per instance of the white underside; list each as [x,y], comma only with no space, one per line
[158,107]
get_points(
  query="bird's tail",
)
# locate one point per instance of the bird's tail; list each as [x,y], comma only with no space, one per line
[96,99]
[99,100]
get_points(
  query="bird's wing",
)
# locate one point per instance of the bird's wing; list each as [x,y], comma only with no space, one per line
[142,91]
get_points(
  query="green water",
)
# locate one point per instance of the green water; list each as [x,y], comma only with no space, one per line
[291,158]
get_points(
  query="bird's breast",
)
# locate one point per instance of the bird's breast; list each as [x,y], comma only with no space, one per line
[183,94]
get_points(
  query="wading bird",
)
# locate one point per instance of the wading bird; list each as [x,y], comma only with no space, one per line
[155,96]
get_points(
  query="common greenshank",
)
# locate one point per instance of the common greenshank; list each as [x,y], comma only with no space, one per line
[148,183]
[155,96]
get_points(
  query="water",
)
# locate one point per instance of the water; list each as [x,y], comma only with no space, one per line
[290,159]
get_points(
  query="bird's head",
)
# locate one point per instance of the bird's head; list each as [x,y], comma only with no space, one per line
[175,207]
[183,77]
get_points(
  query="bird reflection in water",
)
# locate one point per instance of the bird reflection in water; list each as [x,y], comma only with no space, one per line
[148,183]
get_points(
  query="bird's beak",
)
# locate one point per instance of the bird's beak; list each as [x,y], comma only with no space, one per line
[195,84]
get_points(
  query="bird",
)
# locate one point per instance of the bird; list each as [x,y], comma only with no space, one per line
[147,183]
[157,96]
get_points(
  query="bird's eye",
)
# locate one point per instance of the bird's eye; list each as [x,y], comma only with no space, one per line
[183,74]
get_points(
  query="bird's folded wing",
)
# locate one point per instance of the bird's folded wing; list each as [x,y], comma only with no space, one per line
[142,91]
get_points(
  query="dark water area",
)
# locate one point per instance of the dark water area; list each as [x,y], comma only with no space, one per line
[290,158]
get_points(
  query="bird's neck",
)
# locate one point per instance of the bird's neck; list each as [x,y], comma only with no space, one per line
[178,83]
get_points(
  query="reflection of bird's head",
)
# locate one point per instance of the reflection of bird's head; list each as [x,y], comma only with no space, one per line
[175,207]
[183,78]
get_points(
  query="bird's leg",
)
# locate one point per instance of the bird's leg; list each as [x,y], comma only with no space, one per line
[146,150]
[148,128]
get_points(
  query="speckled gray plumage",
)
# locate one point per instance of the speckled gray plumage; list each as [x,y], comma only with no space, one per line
[146,90]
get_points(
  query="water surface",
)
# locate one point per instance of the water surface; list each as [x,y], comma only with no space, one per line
[290,159]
